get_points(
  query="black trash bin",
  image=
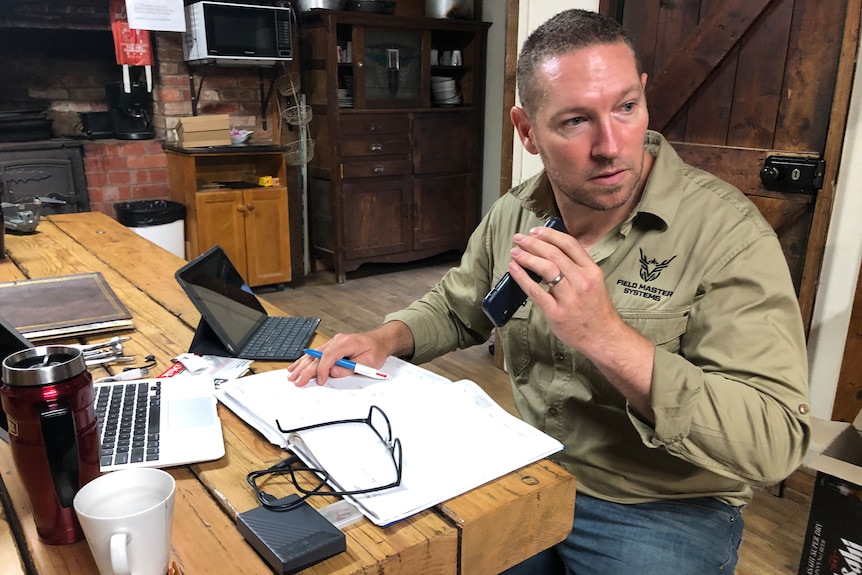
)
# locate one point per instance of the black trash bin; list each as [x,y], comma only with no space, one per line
[160,221]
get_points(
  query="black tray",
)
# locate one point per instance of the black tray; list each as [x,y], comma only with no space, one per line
[370,6]
[23,130]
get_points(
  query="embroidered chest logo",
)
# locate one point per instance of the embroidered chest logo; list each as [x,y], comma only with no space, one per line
[650,270]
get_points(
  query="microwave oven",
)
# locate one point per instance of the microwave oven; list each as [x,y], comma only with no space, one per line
[237,34]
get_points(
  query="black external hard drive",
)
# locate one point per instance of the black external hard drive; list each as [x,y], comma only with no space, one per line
[291,540]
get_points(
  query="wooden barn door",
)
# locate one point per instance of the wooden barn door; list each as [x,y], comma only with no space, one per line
[735,82]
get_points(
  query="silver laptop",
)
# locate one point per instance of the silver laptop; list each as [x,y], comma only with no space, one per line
[157,423]
[144,423]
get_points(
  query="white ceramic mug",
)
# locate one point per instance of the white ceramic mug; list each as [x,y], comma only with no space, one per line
[446,60]
[126,516]
[456,58]
[435,58]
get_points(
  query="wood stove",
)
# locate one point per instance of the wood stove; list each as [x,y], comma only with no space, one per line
[45,169]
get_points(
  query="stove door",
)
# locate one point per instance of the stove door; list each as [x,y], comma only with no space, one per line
[23,180]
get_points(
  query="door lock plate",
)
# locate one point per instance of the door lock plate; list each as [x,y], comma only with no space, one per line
[797,174]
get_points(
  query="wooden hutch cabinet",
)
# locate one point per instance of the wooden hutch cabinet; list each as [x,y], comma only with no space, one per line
[396,174]
[226,206]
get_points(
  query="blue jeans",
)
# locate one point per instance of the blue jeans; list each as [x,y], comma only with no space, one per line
[685,537]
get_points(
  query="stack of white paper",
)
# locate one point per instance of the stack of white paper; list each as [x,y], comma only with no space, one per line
[454,437]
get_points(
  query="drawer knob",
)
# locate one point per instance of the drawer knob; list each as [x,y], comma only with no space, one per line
[376,147]
[250,207]
[378,169]
[240,208]
[374,128]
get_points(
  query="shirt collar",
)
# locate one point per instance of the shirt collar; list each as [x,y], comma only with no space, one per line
[537,196]
[661,195]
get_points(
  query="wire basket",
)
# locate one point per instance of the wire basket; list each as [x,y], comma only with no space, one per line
[299,152]
[299,115]
[286,84]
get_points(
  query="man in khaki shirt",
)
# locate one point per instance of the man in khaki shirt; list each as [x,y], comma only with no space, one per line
[665,348]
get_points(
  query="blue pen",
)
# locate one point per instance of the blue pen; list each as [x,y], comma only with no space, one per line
[356,367]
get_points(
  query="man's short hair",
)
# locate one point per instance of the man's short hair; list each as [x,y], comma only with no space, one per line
[567,31]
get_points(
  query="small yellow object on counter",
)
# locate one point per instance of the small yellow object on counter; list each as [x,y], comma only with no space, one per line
[265,181]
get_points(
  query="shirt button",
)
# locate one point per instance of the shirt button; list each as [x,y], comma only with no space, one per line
[552,412]
[803,409]
[559,357]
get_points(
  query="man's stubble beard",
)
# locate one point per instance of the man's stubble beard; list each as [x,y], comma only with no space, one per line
[583,197]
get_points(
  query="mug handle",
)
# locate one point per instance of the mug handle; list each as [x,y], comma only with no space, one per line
[119,557]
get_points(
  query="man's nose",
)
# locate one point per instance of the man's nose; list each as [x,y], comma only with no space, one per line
[606,140]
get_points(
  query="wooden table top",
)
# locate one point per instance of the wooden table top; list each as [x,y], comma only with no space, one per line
[483,531]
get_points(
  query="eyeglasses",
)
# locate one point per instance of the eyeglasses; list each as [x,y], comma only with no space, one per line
[376,420]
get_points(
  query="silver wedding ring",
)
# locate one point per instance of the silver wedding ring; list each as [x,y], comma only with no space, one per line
[556,280]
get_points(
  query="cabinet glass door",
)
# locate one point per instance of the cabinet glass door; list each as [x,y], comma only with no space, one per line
[391,68]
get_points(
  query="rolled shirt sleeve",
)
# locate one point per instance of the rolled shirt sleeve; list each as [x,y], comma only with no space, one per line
[450,315]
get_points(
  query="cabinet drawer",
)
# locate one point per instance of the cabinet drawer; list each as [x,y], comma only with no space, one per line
[375,145]
[376,168]
[374,124]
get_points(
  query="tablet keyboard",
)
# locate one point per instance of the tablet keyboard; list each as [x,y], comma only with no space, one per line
[280,338]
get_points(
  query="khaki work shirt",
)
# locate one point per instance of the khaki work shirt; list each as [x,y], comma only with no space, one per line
[698,271]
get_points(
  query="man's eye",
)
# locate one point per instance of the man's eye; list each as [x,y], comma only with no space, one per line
[574,121]
[628,106]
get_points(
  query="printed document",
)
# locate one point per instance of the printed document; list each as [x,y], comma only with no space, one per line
[454,437]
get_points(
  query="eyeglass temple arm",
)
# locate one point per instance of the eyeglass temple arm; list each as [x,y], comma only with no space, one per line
[365,420]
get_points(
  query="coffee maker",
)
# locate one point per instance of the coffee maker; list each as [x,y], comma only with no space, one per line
[131,111]
[48,397]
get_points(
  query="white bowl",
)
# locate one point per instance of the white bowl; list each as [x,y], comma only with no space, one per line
[240,136]
[440,95]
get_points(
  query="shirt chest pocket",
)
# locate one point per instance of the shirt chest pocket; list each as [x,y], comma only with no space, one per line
[664,328]
[515,338]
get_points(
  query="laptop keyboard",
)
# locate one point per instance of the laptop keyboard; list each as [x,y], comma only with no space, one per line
[128,415]
[282,338]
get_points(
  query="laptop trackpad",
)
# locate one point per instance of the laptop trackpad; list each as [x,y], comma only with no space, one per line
[192,412]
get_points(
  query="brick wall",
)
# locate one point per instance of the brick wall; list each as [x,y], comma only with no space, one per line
[69,14]
[122,171]
[61,71]
[223,90]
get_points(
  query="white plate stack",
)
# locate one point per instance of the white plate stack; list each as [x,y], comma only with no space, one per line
[345,100]
[444,91]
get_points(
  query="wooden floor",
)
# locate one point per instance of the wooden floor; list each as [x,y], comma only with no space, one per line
[775,526]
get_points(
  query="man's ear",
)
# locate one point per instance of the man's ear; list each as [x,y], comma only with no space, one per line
[524,128]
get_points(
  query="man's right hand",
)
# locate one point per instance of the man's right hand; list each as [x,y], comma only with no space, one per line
[370,348]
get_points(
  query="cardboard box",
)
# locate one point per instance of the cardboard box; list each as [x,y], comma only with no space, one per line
[833,538]
[202,131]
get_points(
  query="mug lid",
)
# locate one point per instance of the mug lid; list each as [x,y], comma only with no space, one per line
[43,365]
